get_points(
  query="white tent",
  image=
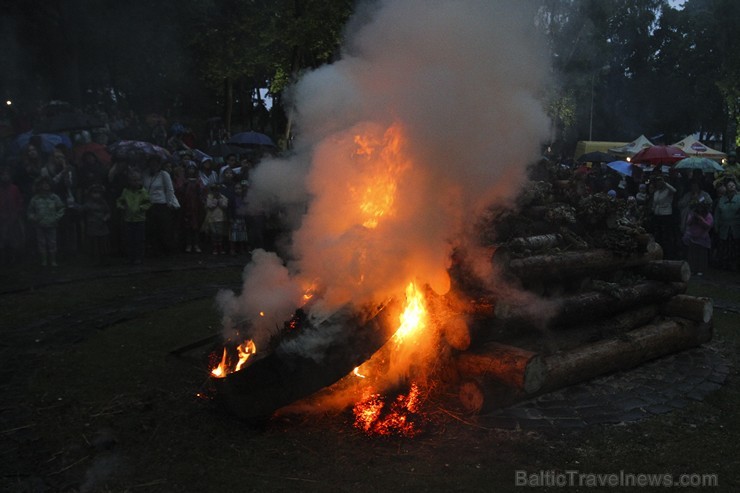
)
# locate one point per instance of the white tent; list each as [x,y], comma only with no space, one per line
[633,147]
[693,148]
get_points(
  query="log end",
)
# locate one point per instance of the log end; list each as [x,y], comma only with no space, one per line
[471,396]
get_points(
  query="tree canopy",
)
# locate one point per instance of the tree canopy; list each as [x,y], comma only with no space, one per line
[621,67]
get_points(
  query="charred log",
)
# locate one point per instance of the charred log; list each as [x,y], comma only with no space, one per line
[316,358]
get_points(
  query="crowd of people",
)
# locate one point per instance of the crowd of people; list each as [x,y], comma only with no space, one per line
[61,204]
[694,215]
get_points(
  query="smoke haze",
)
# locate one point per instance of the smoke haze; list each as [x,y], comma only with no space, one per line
[431,114]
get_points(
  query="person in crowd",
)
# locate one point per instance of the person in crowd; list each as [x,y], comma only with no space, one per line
[191,196]
[694,195]
[45,210]
[699,222]
[28,171]
[662,223]
[65,182]
[727,224]
[238,223]
[12,229]
[134,202]
[160,221]
[214,223]
[118,177]
[208,174]
[97,213]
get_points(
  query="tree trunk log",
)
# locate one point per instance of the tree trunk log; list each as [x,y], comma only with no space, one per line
[666,270]
[586,307]
[512,366]
[689,307]
[457,333]
[535,242]
[635,347]
[286,375]
[574,264]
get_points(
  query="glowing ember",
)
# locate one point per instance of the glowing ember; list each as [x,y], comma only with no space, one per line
[244,351]
[374,416]
[357,373]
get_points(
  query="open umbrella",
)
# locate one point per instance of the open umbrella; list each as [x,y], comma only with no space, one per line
[251,139]
[47,141]
[128,149]
[67,122]
[701,163]
[597,157]
[659,155]
[99,150]
[621,167]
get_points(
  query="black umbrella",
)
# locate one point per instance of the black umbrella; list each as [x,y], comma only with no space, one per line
[597,157]
[64,122]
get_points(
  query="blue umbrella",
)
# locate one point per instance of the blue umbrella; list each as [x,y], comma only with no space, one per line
[621,167]
[251,139]
[48,141]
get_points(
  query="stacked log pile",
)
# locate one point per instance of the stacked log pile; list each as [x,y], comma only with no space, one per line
[597,298]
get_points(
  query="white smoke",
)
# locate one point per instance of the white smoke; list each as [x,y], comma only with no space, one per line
[461,80]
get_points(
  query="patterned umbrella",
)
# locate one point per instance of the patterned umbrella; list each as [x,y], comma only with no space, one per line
[128,149]
[702,163]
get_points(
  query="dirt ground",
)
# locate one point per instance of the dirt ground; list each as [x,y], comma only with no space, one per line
[94,401]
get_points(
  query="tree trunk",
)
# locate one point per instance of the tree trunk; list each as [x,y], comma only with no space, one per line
[575,264]
[635,347]
[228,103]
[666,270]
[286,374]
[586,307]
[689,307]
[515,367]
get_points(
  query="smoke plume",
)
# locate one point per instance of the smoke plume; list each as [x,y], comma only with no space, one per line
[431,114]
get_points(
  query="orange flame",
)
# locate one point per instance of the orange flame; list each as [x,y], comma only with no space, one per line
[244,351]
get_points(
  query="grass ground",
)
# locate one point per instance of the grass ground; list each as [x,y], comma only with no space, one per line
[93,401]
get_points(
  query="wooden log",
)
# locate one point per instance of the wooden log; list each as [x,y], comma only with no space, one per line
[666,270]
[511,366]
[586,307]
[574,264]
[479,395]
[690,307]
[456,332]
[535,242]
[634,348]
[288,374]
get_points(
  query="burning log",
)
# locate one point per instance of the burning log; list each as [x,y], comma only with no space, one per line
[689,307]
[666,270]
[457,333]
[512,366]
[635,347]
[574,264]
[291,372]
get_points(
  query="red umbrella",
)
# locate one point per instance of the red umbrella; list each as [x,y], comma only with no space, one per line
[655,155]
[100,151]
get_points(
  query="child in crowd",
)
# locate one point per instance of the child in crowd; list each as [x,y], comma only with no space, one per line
[45,210]
[699,222]
[238,227]
[190,194]
[97,214]
[215,221]
[134,202]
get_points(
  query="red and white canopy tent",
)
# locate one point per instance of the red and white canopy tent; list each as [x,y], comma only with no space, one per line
[693,148]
